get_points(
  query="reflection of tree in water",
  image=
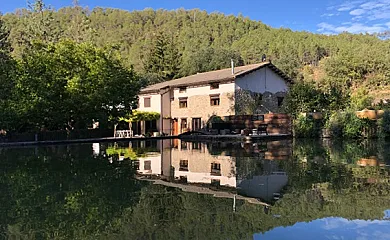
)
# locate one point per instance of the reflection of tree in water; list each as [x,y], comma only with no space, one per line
[318,188]
[60,193]
[65,193]
[334,163]
[248,167]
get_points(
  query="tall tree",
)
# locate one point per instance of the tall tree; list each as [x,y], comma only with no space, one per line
[38,25]
[163,61]
[7,70]
[79,28]
[87,82]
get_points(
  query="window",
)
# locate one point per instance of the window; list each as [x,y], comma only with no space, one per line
[184,145]
[183,125]
[280,101]
[148,165]
[258,97]
[216,169]
[182,89]
[214,86]
[196,124]
[214,100]
[183,165]
[215,182]
[147,102]
[183,102]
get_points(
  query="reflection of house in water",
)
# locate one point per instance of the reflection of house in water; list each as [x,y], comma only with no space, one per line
[96,149]
[150,164]
[249,167]
[266,187]
[193,162]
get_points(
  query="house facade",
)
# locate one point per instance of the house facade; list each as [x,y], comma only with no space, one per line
[188,103]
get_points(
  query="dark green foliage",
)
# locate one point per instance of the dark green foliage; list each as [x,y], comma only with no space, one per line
[163,61]
[208,59]
[348,125]
[384,125]
[66,85]
[307,127]
[7,74]
[305,97]
[62,192]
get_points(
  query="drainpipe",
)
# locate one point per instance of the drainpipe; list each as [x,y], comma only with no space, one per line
[161,109]
[232,62]
[265,73]
[161,115]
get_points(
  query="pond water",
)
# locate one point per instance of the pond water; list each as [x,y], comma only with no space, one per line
[173,189]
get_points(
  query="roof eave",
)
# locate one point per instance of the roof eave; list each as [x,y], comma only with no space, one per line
[223,80]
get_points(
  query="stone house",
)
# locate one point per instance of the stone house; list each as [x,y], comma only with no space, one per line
[189,102]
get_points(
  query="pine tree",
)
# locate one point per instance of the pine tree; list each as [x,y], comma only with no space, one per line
[79,28]
[39,25]
[164,60]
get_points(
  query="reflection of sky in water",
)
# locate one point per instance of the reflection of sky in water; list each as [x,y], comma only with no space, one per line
[332,228]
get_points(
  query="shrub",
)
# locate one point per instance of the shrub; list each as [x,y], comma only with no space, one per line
[348,125]
[335,124]
[306,127]
[384,125]
[361,99]
[353,126]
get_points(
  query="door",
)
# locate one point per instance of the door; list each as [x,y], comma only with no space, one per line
[196,124]
[175,127]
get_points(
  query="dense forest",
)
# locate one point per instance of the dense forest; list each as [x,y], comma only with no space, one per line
[159,45]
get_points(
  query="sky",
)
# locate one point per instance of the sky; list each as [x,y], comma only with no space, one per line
[319,16]
[331,228]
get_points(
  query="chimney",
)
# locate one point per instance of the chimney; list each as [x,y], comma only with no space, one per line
[264,58]
[232,66]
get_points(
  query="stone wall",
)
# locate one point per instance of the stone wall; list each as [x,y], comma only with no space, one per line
[277,123]
[199,107]
[248,102]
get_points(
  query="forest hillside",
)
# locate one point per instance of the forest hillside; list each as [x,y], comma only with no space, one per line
[161,45]
[164,44]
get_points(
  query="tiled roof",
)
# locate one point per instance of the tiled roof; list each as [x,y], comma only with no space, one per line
[214,76]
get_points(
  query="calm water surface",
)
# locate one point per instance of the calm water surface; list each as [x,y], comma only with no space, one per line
[173,189]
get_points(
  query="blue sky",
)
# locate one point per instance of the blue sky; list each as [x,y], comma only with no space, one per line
[320,16]
[331,228]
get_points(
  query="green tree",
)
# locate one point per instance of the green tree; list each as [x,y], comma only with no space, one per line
[87,82]
[163,61]
[79,29]
[38,25]
[361,99]
[304,97]
[7,80]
